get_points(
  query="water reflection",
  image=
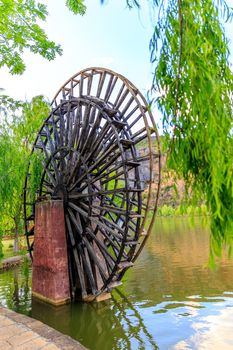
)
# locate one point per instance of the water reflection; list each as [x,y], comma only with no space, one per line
[169,300]
[211,332]
[175,263]
[15,288]
[114,324]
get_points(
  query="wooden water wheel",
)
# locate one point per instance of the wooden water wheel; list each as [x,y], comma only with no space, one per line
[90,152]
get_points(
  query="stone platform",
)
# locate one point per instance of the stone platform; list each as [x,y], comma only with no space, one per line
[21,332]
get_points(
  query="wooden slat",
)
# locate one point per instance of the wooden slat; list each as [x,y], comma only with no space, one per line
[114,284]
[76,257]
[110,87]
[107,256]
[48,173]
[95,221]
[125,265]
[95,259]
[119,94]
[101,83]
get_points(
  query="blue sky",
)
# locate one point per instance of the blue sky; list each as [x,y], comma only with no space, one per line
[107,35]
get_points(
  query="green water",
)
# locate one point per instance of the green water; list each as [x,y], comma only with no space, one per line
[169,300]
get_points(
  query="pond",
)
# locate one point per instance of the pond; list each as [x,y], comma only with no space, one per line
[169,299]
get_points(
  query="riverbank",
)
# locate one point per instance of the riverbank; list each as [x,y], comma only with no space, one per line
[7,247]
[12,261]
[24,333]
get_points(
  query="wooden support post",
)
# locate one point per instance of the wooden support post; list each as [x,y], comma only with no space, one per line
[50,275]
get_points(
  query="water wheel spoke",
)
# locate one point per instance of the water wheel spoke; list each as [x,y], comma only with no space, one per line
[105,176]
[124,224]
[94,220]
[62,130]
[89,82]
[93,168]
[50,143]
[85,144]
[110,87]
[103,160]
[90,140]
[48,157]
[131,113]
[130,201]
[106,131]
[85,127]
[30,232]
[93,257]
[103,193]
[48,172]
[121,99]
[103,249]
[107,179]
[76,221]
[78,210]
[101,83]
[76,257]
[30,248]
[70,125]
[49,187]
[109,208]
[111,241]
[111,147]
[69,121]
[119,94]
[75,167]
[126,107]
[76,127]
[55,132]
[89,272]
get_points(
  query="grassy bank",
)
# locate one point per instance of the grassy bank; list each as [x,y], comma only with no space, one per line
[182,210]
[7,247]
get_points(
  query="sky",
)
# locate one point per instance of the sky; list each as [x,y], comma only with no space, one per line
[108,35]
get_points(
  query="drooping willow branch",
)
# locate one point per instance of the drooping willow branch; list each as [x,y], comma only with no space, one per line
[193,86]
[179,69]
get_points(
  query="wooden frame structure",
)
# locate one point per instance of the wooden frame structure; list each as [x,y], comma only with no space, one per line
[89,155]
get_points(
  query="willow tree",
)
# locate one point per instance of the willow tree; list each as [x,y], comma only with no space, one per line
[193,88]
[20,123]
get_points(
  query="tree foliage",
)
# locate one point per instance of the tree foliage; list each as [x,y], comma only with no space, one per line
[192,87]
[76,6]
[20,31]
[7,104]
[17,134]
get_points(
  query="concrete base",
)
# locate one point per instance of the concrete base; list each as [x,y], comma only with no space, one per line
[50,275]
[51,301]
